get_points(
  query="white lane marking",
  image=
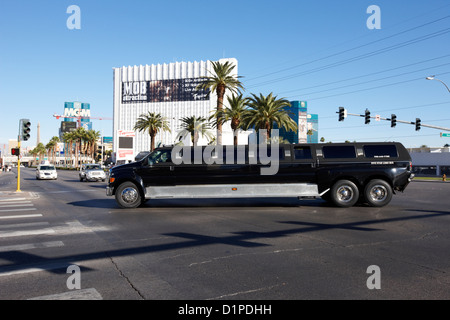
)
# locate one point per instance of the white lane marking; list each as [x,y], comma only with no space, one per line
[23,225]
[81,294]
[36,268]
[21,216]
[10,210]
[13,199]
[29,246]
[21,233]
[9,205]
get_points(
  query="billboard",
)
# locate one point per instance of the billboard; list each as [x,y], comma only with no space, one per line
[125,149]
[68,126]
[173,90]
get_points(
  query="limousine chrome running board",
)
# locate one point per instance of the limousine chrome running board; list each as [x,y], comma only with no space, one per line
[307,190]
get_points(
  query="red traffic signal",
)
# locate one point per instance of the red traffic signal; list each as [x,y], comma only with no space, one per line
[15,151]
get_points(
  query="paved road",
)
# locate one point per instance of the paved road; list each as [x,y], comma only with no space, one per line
[219,249]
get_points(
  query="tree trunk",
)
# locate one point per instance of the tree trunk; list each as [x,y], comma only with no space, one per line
[152,139]
[220,95]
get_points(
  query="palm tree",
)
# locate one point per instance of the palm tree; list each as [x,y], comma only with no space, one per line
[152,123]
[50,146]
[68,141]
[235,112]
[39,150]
[78,135]
[219,82]
[90,138]
[54,140]
[265,111]
[194,126]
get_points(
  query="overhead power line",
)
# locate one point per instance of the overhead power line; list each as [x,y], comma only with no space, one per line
[371,88]
[348,50]
[373,80]
[365,75]
[357,58]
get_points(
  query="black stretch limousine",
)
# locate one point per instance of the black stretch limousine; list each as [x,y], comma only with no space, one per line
[343,174]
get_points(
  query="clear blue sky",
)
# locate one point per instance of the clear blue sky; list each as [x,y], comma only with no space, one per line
[318,51]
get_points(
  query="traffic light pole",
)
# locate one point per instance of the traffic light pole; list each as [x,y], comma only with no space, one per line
[399,121]
[18,169]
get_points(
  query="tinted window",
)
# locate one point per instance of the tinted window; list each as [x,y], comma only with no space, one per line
[380,151]
[302,153]
[333,152]
[267,155]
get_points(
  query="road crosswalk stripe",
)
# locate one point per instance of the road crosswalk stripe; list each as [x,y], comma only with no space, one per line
[29,246]
[10,205]
[23,225]
[21,216]
[9,271]
[80,294]
[12,199]
[20,233]
[10,210]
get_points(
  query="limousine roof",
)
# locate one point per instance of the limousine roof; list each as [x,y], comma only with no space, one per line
[321,149]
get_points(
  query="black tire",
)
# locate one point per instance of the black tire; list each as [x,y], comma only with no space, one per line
[344,193]
[128,195]
[378,193]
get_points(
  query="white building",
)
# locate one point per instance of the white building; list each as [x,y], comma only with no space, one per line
[167,89]
[431,161]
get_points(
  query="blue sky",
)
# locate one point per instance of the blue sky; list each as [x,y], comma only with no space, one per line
[318,51]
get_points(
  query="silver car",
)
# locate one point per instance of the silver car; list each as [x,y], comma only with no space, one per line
[92,172]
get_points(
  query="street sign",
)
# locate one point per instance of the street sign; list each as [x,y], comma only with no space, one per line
[445,134]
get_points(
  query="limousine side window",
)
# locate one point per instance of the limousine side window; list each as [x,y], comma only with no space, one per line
[335,152]
[380,151]
[301,153]
[159,157]
[268,155]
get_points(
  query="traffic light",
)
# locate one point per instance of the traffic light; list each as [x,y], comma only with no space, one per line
[393,120]
[25,125]
[342,113]
[15,151]
[367,117]
[417,124]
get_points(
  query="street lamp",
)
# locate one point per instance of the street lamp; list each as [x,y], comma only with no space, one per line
[433,78]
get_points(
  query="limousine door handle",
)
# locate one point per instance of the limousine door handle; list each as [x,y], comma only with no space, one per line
[172,168]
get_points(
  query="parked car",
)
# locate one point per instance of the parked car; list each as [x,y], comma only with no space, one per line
[92,172]
[46,171]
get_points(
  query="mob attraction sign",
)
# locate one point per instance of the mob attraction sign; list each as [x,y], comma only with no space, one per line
[172,90]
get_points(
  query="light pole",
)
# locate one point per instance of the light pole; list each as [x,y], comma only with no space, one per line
[433,78]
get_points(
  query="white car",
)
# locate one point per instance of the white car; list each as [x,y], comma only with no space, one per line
[92,172]
[46,171]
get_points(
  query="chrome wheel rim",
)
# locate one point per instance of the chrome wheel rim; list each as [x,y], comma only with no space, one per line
[129,195]
[378,193]
[345,193]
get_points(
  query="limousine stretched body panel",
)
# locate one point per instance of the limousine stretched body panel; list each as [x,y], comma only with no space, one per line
[343,174]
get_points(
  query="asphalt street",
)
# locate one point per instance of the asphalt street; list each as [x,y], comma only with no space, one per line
[218,249]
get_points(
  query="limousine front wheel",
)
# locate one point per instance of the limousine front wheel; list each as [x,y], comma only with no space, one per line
[344,193]
[378,193]
[128,195]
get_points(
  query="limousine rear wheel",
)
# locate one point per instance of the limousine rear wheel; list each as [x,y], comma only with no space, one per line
[378,193]
[344,193]
[128,195]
